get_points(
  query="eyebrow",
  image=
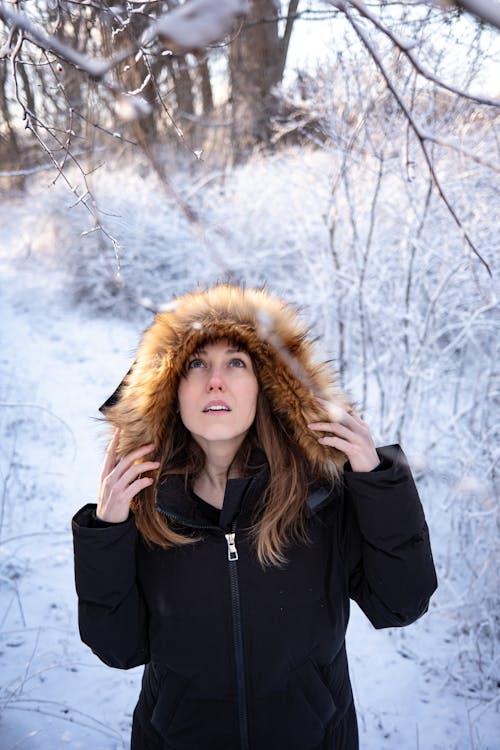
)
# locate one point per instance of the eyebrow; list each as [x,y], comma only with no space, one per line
[227,351]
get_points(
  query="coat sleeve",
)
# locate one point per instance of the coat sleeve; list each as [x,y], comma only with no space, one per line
[112,614]
[386,542]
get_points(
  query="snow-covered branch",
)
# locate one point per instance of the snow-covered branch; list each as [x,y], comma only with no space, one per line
[186,28]
[95,68]
[485,10]
[423,136]
[195,25]
[407,48]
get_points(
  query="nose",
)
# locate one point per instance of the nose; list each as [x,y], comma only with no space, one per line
[215,382]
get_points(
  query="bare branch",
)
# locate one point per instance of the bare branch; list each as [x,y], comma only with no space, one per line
[95,68]
[407,49]
[487,11]
[420,134]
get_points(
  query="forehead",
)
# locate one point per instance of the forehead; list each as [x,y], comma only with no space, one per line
[219,346]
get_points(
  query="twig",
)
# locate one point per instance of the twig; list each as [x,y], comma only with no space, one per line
[7,405]
[65,713]
[29,735]
[190,214]
[6,480]
[30,119]
[95,68]
[421,135]
[407,49]
[30,661]
[12,583]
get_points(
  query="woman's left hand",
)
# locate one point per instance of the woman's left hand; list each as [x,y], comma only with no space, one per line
[350,435]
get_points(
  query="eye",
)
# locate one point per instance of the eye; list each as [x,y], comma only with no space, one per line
[195,364]
[237,362]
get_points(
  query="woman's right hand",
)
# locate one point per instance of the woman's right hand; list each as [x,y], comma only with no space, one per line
[120,481]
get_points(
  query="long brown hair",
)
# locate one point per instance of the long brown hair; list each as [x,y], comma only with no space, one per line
[279,516]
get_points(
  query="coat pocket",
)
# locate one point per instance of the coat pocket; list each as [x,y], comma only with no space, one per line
[315,691]
[171,691]
[185,720]
[298,718]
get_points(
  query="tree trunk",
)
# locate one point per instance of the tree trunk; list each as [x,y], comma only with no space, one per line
[183,86]
[257,60]
[205,84]
[131,75]
[9,145]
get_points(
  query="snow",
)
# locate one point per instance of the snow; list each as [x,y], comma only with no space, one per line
[193,27]
[50,684]
[68,336]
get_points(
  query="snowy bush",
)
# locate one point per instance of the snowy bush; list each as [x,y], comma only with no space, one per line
[402,305]
[381,273]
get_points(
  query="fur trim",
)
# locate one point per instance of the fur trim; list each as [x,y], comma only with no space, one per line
[274,336]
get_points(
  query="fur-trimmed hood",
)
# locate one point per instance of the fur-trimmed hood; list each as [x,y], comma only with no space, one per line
[272,333]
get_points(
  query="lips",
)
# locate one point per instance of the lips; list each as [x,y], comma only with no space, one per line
[216,407]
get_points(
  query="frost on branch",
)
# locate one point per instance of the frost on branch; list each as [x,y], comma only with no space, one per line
[196,24]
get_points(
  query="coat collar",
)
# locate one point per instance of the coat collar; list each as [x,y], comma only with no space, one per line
[175,500]
[179,503]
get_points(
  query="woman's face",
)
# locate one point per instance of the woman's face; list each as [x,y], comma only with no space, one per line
[218,395]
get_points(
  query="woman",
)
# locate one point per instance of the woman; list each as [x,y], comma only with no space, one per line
[242,503]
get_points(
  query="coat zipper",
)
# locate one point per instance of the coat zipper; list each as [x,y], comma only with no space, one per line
[232,552]
[232,556]
[239,657]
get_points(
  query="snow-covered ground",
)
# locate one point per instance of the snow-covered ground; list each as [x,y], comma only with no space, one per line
[58,362]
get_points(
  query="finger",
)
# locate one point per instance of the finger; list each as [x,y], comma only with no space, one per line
[136,487]
[134,471]
[115,508]
[337,414]
[352,421]
[127,461]
[335,427]
[326,426]
[362,428]
[110,458]
[336,442]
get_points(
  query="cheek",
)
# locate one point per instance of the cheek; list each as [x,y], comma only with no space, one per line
[184,395]
[253,393]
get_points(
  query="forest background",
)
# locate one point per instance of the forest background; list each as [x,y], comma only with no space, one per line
[345,154]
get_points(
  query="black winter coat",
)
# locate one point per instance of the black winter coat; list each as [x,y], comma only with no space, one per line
[244,658]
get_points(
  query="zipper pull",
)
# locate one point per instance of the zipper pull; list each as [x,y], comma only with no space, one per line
[232,552]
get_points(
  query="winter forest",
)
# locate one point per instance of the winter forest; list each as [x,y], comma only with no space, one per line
[344,153]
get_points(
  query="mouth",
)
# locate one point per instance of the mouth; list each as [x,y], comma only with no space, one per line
[216,408]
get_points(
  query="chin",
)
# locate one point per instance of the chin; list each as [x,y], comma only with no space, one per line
[216,436]
[219,434]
